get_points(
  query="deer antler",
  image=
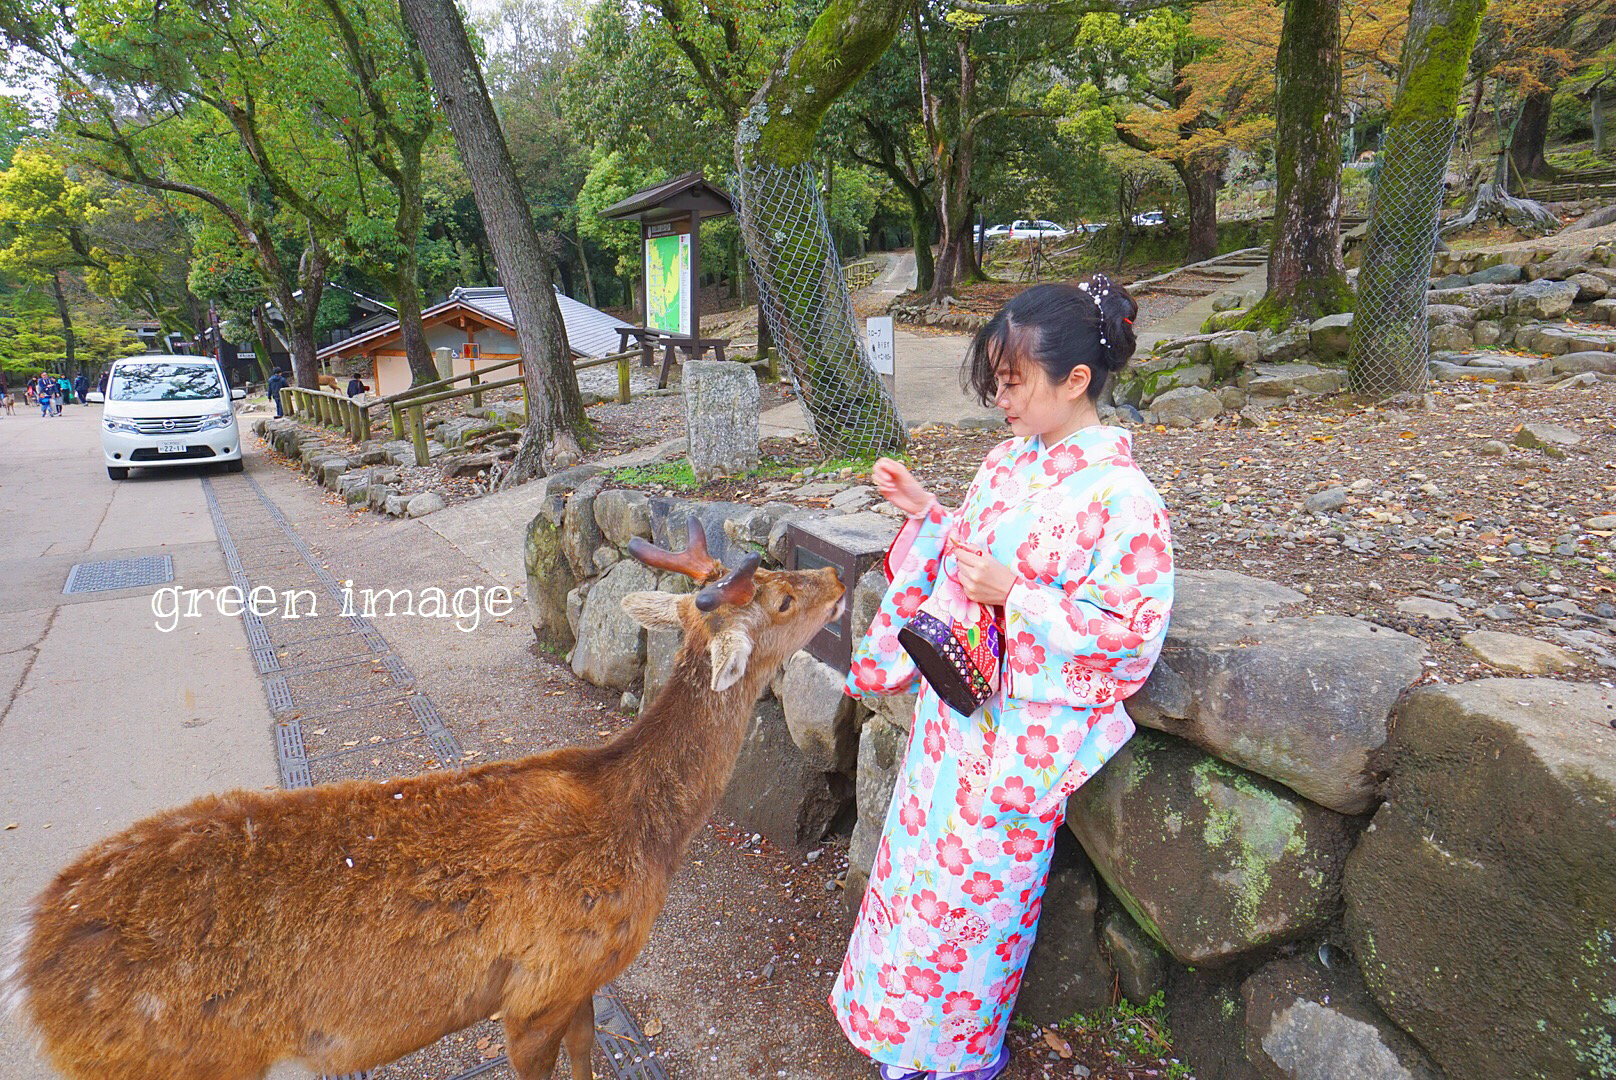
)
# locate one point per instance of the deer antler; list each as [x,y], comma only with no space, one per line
[693,561]
[736,587]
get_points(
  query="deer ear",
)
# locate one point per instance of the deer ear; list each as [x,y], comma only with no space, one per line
[729,651]
[654,610]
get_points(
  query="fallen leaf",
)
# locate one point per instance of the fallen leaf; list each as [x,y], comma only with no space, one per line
[8,828]
[1058,1044]
[653,1027]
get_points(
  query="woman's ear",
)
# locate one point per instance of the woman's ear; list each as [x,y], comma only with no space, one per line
[1077,383]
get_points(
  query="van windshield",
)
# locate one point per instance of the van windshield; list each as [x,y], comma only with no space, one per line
[165,382]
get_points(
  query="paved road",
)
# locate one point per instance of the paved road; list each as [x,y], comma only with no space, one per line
[104,718]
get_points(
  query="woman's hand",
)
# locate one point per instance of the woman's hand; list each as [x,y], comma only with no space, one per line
[985,579]
[899,487]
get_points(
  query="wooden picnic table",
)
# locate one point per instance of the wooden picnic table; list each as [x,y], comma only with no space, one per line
[650,340]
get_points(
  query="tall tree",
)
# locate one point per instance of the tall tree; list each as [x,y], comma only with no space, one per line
[1307,278]
[801,290]
[555,422]
[1388,353]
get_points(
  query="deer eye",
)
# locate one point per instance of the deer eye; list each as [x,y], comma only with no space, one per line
[785,603]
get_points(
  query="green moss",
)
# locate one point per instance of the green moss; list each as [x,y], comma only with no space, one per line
[1258,827]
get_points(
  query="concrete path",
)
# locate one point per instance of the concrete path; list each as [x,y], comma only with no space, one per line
[105,718]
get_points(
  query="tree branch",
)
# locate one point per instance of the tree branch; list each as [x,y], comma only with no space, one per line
[1061,7]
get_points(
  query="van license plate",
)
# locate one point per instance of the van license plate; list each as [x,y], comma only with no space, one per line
[171,448]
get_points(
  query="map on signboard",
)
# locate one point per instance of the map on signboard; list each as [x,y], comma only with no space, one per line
[667,282]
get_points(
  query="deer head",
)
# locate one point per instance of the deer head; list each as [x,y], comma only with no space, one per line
[747,619]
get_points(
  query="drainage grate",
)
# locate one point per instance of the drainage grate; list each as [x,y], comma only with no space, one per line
[119,574]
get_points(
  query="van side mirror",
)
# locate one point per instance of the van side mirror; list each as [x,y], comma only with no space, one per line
[95,397]
[237,393]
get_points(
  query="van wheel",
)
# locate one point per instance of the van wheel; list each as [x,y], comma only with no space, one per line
[116,472]
[235,466]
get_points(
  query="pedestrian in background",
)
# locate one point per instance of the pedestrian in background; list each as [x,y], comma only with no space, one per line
[355,387]
[43,391]
[81,387]
[277,383]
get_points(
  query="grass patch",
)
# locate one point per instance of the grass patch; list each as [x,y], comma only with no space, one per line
[1132,1031]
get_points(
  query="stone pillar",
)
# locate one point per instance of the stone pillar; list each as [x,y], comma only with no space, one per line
[444,359]
[721,417]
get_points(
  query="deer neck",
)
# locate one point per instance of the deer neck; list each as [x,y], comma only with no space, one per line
[675,763]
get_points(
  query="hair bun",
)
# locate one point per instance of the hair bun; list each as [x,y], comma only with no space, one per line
[1117,311]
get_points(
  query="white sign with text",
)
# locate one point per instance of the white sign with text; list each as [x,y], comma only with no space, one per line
[878,335]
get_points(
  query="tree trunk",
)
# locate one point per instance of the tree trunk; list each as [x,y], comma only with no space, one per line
[555,420]
[1390,338]
[954,159]
[1306,276]
[801,291]
[1200,179]
[1531,134]
[407,298]
[923,219]
[266,355]
[583,264]
[69,340]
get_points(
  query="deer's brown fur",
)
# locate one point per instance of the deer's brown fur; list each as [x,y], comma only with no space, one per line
[349,924]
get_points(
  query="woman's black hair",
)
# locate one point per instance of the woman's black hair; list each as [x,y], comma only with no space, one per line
[1058,326]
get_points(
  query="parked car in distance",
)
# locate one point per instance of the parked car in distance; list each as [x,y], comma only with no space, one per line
[1090,226]
[992,232]
[1150,217]
[169,410]
[1029,229]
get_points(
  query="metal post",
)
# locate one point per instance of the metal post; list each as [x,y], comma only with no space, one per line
[418,435]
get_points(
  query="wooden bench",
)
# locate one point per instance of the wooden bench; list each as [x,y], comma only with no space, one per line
[650,340]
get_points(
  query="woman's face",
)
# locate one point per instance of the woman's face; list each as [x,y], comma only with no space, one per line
[1031,403]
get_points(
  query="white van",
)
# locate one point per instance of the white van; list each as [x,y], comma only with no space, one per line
[169,410]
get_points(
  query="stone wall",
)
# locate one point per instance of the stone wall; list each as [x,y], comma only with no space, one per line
[1332,869]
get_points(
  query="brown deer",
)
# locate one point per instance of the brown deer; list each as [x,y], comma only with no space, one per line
[346,925]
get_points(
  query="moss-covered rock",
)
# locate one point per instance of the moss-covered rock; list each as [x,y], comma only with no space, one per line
[1213,862]
[1480,900]
[549,577]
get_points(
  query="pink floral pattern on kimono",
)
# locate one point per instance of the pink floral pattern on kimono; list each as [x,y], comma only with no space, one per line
[936,956]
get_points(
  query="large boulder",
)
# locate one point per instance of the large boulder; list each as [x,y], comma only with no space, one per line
[549,577]
[1066,972]
[1213,862]
[819,714]
[880,759]
[1308,1022]
[1300,700]
[1479,902]
[611,643]
[1231,351]
[721,418]
[1542,299]
[662,646]
[1331,336]
[1185,407]
[580,536]
[670,526]
[1487,301]
[1283,380]
[777,794]
[1575,362]
[1140,964]
[622,515]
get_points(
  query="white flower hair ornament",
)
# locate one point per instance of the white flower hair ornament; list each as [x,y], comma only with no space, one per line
[1097,290]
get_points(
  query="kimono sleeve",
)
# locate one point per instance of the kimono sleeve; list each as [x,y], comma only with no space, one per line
[880,665]
[1091,638]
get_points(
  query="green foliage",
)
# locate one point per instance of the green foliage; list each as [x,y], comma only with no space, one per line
[1139,1030]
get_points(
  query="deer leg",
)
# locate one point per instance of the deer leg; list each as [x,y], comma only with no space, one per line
[532,1042]
[580,1040]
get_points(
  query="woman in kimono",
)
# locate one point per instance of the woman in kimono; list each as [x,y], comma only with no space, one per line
[1063,532]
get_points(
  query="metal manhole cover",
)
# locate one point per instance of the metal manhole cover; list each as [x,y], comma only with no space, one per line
[119,574]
